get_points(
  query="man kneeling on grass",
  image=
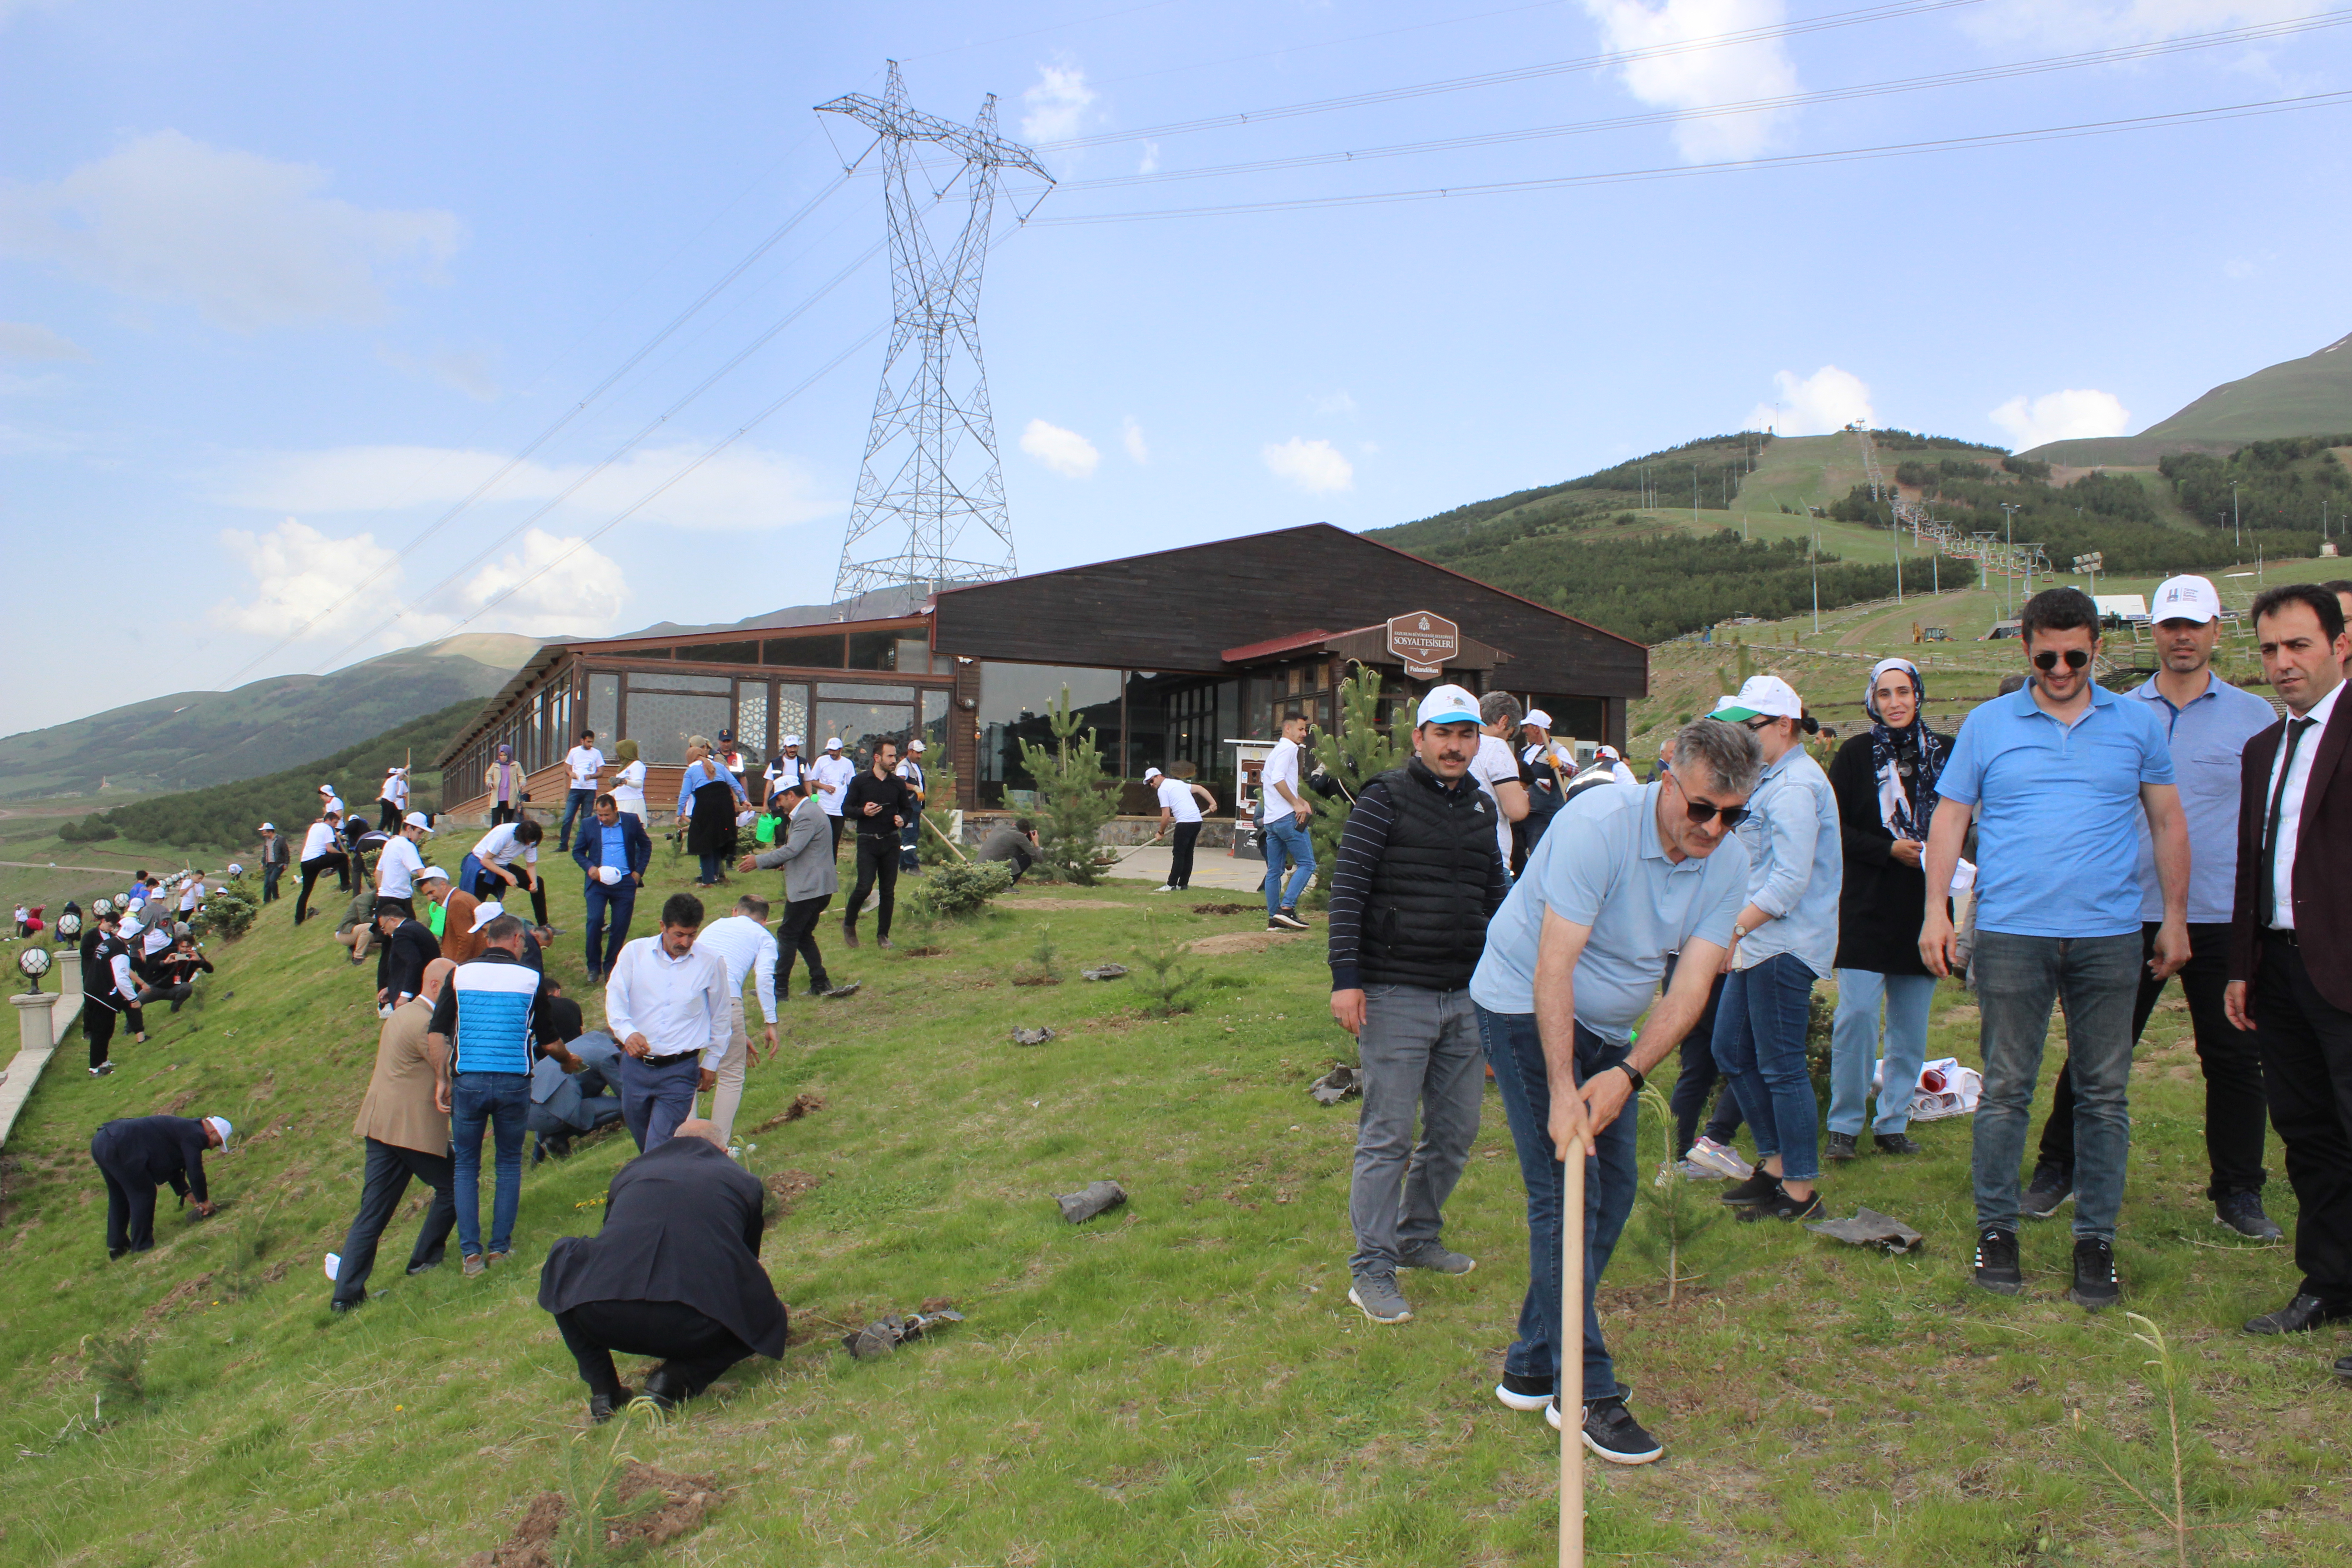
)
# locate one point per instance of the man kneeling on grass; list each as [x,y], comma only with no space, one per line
[1622,879]
[1419,875]
[674,1273]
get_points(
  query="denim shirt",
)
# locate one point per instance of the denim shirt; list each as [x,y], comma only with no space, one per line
[1796,864]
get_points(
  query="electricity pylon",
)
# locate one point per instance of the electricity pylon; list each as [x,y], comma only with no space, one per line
[931,472]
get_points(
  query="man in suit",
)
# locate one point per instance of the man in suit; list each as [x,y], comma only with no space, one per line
[811,878]
[674,1273]
[2291,918]
[406,1137]
[136,1155]
[408,949]
[613,852]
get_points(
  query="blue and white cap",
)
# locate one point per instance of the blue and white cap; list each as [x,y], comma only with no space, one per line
[1447,705]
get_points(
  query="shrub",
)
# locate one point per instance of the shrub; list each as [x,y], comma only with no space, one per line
[1358,751]
[91,829]
[956,890]
[229,911]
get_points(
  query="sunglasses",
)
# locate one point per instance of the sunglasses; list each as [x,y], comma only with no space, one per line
[1702,812]
[2048,660]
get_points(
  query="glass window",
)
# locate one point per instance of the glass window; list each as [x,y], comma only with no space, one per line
[860,724]
[874,650]
[792,716]
[935,728]
[664,680]
[604,707]
[822,652]
[721,653]
[1013,700]
[914,656]
[751,721]
[660,722]
[858,691]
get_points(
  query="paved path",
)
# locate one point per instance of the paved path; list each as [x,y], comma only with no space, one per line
[1211,868]
[60,865]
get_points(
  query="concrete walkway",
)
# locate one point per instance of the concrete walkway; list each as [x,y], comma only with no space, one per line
[1211,868]
[32,1059]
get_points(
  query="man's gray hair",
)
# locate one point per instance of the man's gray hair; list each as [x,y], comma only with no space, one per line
[1499,707]
[1731,754]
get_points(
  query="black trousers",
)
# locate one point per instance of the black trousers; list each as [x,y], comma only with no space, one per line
[2232,1063]
[834,823]
[389,1168]
[491,889]
[387,816]
[796,933]
[334,860]
[1699,1078]
[1179,854]
[129,1200]
[694,1348]
[502,813]
[2306,1042]
[878,862]
[98,1028]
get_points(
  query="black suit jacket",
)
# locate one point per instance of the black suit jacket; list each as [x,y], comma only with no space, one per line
[399,965]
[681,1223]
[2321,881]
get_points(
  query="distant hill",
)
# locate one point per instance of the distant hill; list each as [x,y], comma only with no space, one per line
[2306,396]
[196,738]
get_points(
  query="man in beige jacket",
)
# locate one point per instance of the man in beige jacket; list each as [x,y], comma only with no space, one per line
[405,1137]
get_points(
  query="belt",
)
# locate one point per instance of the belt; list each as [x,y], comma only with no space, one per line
[673,1057]
[2281,933]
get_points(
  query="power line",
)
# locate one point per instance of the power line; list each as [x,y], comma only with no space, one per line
[1786,160]
[1971,77]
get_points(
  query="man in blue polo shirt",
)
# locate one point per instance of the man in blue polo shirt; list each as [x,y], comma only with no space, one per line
[1622,879]
[613,851]
[2059,776]
[483,1036]
[2207,723]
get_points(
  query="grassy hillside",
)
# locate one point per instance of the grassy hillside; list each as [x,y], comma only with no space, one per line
[2306,396]
[1179,1382]
[196,738]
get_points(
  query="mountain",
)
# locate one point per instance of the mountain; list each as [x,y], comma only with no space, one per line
[196,738]
[2306,396]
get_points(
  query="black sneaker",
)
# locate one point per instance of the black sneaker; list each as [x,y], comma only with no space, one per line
[2242,1211]
[1520,1393]
[1782,1205]
[2053,1184]
[1996,1264]
[1840,1146]
[1895,1143]
[1610,1431]
[1291,915]
[1282,920]
[2094,1275]
[1754,1190]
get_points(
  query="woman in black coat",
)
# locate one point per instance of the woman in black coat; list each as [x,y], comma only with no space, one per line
[1885,785]
[707,796]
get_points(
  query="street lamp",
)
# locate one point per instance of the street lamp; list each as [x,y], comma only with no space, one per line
[2237,534]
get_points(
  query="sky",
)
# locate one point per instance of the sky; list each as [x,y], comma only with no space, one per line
[326,331]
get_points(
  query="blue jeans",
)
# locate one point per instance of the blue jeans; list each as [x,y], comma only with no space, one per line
[1854,1046]
[577,802]
[500,1101]
[910,843]
[1515,1051]
[713,867]
[615,905]
[2018,977]
[1286,841]
[1759,1043]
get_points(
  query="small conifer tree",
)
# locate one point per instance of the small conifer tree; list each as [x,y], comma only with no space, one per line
[1074,806]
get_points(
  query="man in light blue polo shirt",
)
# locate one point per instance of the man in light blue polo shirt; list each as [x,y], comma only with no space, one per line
[1622,879]
[2059,776]
[2207,723]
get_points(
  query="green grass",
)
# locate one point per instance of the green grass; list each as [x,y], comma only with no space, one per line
[1178,1382]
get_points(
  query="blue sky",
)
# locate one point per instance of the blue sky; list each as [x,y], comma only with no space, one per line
[280,285]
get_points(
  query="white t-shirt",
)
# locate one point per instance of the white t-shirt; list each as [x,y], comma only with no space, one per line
[837,772]
[1281,767]
[585,763]
[396,790]
[629,790]
[319,840]
[1177,796]
[334,803]
[499,848]
[397,867]
[784,772]
[1494,764]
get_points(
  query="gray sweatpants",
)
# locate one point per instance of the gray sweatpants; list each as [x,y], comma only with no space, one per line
[1421,1056]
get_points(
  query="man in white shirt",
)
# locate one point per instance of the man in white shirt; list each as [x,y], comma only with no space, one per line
[787,768]
[391,800]
[1497,766]
[582,763]
[321,852]
[666,1005]
[1283,815]
[1180,816]
[330,801]
[743,943]
[397,868]
[910,835]
[831,776]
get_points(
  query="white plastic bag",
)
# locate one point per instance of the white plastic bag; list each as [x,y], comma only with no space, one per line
[1945,1088]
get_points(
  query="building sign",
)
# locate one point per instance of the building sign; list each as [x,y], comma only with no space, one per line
[1425,641]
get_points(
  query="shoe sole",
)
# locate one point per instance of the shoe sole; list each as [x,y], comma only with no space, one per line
[1998,1287]
[1527,1404]
[1358,1302]
[1728,1168]
[1468,1265]
[2273,1233]
[2092,1304]
[2051,1211]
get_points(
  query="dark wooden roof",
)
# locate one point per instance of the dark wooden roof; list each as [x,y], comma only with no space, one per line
[1182,609]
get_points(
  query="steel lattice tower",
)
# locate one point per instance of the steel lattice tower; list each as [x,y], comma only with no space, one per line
[930,472]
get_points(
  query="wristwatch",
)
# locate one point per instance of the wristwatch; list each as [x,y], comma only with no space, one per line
[1739,933]
[1630,1070]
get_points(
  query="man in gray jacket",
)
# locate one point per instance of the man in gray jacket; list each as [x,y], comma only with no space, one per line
[805,851]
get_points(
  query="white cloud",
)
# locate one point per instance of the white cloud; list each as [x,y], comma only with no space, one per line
[552,584]
[1056,104]
[1829,399]
[1131,437]
[1700,78]
[2088,24]
[1065,452]
[1338,403]
[1150,163]
[23,340]
[2071,416]
[248,240]
[744,489]
[299,572]
[1315,466]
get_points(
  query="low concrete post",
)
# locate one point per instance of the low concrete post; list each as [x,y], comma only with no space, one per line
[35,1021]
[66,962]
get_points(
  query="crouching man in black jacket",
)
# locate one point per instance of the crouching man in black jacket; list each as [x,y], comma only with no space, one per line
[674,1273]
[1420,873]
[139,1154]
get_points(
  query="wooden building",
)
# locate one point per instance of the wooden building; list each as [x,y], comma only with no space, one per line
[1170,655]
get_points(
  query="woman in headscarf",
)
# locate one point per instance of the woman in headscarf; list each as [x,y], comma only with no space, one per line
[505,782]
[629,783]
[1885,785]
[707,798]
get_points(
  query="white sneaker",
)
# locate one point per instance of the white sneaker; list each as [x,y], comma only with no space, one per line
[1163,887]
[1709,1156]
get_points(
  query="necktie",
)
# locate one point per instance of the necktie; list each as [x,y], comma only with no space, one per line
[2295,729]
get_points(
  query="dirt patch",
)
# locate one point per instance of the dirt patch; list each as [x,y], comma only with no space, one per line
[788,1188]
[1036,979]
[922,952]
[1963,1016]
[800,1106]
[1243,941]
[178,1295]
[656,1508]
[1224,909]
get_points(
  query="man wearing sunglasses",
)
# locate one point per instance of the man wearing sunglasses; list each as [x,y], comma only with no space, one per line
[2059,777]
[1573,958]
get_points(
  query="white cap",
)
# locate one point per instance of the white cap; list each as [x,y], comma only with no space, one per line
[418,819]
[2184,599]
[914,745]
[1447,705]
[1151,773]
[269,827]
[1760,697]
[1609,751]
[832,744]
[234,869]
[220,1125]
[791,739]
[483,915]
[433,873]
[326,789]
[1537,719]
